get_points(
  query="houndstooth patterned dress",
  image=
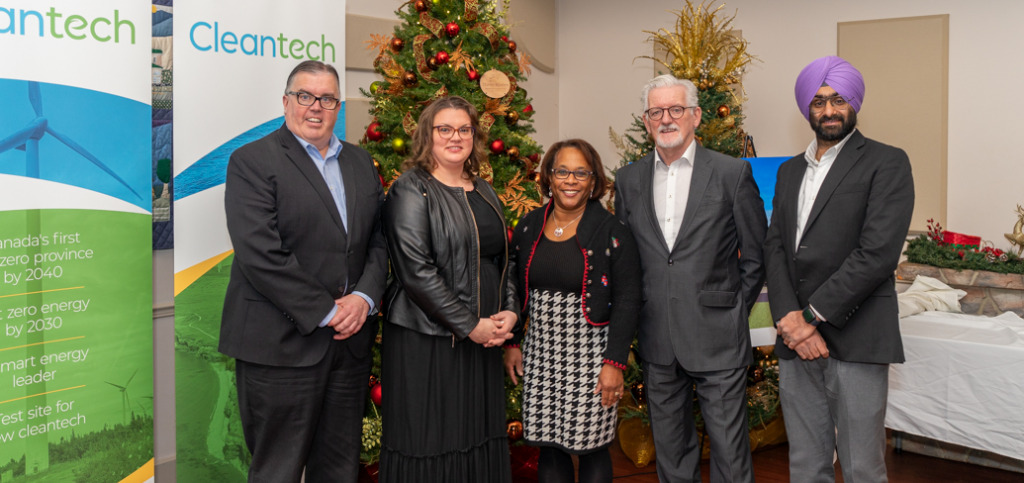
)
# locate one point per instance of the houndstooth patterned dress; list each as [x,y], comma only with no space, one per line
[562,357]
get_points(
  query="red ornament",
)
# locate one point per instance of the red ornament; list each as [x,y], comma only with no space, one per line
[442,57]
[382,183]
[452,29]
[473,75]
[510,233]
[534,158]
[421,5]
[512,46]
[375,394]
[373,132]
[497,146]
[528,109]
[504,38]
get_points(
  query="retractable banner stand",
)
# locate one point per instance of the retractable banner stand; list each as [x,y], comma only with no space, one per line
[231,61]
[76,353]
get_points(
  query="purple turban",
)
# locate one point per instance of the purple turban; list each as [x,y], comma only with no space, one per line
[834,72]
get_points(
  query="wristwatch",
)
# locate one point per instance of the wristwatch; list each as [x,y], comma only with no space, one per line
[810,318]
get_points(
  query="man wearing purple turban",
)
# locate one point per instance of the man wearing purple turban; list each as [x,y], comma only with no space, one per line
[840,215]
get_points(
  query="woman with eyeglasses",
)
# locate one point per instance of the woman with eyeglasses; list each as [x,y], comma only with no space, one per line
[578,274]
[449,308]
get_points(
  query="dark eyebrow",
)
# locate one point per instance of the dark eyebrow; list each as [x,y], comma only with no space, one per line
[816,96]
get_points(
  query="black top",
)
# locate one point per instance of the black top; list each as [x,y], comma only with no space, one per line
[557,266]
[492,246]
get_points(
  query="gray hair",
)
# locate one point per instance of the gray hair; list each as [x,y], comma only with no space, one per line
[667,80]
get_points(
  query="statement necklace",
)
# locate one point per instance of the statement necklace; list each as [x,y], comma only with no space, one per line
[560,229]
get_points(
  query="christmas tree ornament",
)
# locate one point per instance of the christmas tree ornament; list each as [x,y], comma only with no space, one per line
[534,176]
[512,152]
[514,429]
[512,117]
[528,109]
[534,158]
[497,146]
[375,394]
[373,380]
[452,29]
[421,5]
[376,164]
[373,132]
[723,110]
[409,78]
[512,46]
[504,38]
[442,57]
[433,63]
[375,87]
[397,44]
[398,145]
[472,75]
[495,84]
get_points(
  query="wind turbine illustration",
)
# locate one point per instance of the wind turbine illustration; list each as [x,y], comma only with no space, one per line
[124,395]
[27,139]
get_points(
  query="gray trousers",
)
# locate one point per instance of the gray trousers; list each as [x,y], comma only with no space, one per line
[723,404]
[831,405]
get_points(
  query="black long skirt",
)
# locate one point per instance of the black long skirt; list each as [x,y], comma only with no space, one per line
[443,410]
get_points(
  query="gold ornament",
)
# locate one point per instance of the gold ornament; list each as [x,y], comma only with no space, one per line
[1017,237]
[637,441]
[512,117]
[398,145]
[512,152]
[409,78]
[723,110]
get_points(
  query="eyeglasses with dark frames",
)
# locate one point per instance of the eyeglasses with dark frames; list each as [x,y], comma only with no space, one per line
[446,131]
[675,112]
[580,174]
[306,99]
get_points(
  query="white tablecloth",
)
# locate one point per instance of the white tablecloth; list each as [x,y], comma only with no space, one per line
[963,381]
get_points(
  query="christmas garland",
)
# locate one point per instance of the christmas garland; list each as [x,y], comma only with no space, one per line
[932,249]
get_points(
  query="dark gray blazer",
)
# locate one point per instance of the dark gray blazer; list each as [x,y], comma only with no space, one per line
[849,250]
[698,292]
[293,255]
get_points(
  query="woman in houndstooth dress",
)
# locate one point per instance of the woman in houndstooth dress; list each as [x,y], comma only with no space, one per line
[579,278]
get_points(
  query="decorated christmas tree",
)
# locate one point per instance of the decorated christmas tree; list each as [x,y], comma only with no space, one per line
[462,48]
[703,49]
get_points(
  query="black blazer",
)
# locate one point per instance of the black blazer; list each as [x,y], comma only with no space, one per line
[849,250]
[293,256]
[610,279]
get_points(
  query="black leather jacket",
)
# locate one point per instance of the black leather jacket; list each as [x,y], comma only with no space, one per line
[435,252]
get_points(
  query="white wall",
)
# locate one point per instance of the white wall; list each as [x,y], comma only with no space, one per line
[599,83]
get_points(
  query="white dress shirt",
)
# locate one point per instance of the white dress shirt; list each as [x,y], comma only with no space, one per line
[816,172]
[670,190]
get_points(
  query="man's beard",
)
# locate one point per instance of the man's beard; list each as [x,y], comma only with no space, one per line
[845,128]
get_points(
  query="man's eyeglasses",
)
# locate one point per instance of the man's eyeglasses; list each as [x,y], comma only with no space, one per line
[675,112]
[837,101]
[580,174]
[307,99]
[446,132]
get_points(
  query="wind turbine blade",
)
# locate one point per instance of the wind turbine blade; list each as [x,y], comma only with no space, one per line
[116,385]
[87,155]
[36,98]
[20,136]
[130,378]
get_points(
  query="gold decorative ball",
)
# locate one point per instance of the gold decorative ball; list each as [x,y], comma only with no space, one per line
[723,110]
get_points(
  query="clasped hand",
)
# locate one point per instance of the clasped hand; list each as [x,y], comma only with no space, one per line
[350,317]
[801,336]
[493,331]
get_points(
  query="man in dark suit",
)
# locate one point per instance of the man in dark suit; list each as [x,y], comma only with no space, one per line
[310,265]
[841,214]
[699,223]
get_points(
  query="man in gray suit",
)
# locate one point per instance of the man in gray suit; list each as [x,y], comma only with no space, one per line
[699,222]
[310,265]
[841,214]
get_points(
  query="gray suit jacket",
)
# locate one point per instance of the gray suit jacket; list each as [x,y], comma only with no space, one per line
[698,292]
[293,255]
[849,250]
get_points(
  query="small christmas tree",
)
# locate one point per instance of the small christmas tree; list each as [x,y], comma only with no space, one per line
[454,47]
[704,50]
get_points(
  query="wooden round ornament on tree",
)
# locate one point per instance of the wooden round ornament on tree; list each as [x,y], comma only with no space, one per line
[495,84]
